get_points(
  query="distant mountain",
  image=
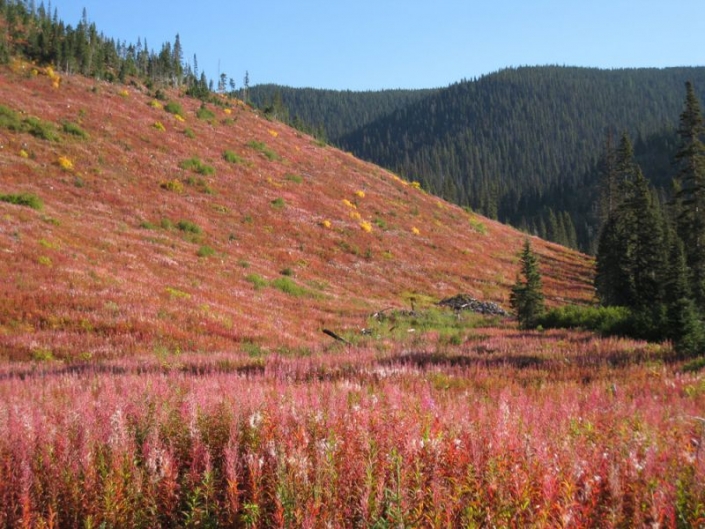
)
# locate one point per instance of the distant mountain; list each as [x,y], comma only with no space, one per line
[522,144]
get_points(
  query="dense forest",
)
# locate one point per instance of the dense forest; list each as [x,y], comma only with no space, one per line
[521,145]
[331,114]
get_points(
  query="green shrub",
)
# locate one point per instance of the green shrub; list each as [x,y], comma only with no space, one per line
[232,157]
[174,108]
[288,286]
[262,147]
[205,251]
[188,227]
[200,184]
[293,178]
[190,134]
[74,130]
[196,165]
[257,281]
[278,203]
[40,129]
[23,199]
[205,113]
[607,321]
[9,119]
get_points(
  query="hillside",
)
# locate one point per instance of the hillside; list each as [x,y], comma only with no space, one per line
[149,240]
[522,143]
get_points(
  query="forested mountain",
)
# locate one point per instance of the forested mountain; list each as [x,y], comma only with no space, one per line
[523,144]
[331,113]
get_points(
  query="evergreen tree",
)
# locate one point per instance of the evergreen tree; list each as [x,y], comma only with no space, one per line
[683,325]
[527,296]
[691,195]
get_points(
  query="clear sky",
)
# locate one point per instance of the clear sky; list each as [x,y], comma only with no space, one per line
[375,44]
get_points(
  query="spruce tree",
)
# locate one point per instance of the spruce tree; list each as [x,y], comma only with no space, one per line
[527,296]
[691,195]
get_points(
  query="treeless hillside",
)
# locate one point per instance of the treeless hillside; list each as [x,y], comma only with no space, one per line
[150,240]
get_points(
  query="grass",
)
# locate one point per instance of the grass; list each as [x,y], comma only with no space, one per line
[23,199]
[205,251]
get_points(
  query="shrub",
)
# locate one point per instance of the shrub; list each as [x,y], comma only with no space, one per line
[40,129]
[293,178]
[205,113]
[159,126]
[23,199]
[278,203]
[9,119]
[205,251]
[200,184]
[232,157]
[174,108]
[188,227]
[74,130]
[262,147]
[65,163]
[288,286]
[189,133]
[257,281]
[196,165]
[173,185]
[605,320]
[415,230]
[366,226]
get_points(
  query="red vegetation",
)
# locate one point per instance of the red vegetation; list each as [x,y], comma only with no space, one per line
[95,271]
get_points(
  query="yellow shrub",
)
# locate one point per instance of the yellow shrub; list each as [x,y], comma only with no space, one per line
[124,93]
[159,126]
[156,104]
[274,133]
[326,224]
[360,194]
[416,185]
[172,185]
[415,231]
[24,154]
[228,111]
[355,215]
[177,117]
[366,226]
[349,204]
[65,163]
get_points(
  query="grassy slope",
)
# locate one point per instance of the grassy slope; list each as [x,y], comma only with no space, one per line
[84,277]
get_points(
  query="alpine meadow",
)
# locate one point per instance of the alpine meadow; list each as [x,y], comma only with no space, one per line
[275,307]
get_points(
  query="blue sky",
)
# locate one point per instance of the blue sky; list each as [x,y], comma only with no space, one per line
[376,44]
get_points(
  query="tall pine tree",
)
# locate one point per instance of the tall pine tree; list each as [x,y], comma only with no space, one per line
[691,194]
[527,294]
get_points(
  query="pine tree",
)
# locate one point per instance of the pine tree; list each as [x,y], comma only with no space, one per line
[691,195]
[527,296]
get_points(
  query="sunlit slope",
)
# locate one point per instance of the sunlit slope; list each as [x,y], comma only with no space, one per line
[149,239]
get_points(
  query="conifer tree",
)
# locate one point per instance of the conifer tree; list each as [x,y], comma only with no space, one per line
[527,296]
[691,195]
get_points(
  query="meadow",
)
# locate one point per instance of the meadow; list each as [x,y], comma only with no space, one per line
[473,425]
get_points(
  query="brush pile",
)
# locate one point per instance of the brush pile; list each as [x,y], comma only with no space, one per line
[466,302]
